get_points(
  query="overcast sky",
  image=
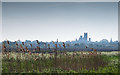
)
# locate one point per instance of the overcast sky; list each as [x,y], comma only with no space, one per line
[65,21]
[0,21]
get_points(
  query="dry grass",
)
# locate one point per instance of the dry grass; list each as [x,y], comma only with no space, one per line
[68,61]
[26,61]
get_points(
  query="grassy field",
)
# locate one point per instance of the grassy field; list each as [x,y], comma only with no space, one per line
[68,62]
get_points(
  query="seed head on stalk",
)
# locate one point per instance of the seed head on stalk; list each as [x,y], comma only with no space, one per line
[22,43]
[4,47]
[26,48]
[56,54]
[21,47]
[38,48]
[23,50]
[95,52]
[92,48]
[56,46]
[59,45]
[63,44]
[86,47]
[90,53]
[30,53]
[64,47]
[48,46]
[37,42]
[8,42]
[16,43]
[31,45]
[100,53]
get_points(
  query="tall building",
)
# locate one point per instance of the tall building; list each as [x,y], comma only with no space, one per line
[85,36]
[89,39]
[75,39]
[80,38]
[111,40]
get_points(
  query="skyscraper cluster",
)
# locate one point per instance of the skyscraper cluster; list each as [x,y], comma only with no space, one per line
[85,38]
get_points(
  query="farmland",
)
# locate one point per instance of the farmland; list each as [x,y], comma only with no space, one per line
[61,62]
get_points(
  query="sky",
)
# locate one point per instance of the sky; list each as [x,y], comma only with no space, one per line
[119,22]
[47,21]
[0,21]
[60,0]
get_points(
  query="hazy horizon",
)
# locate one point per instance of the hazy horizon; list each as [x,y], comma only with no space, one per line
[47,21]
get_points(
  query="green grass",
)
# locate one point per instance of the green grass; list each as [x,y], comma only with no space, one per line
[63,64]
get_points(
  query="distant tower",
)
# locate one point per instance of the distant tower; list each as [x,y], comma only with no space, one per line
[89,39]
[85,36]
[76,39]
[111,40]
[80,38]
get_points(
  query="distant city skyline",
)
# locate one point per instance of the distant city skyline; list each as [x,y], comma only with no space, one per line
[59,20]
[82,38]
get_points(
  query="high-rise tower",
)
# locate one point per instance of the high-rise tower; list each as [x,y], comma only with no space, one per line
[85,36]
[89,39]
[80,38]
[111,40]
